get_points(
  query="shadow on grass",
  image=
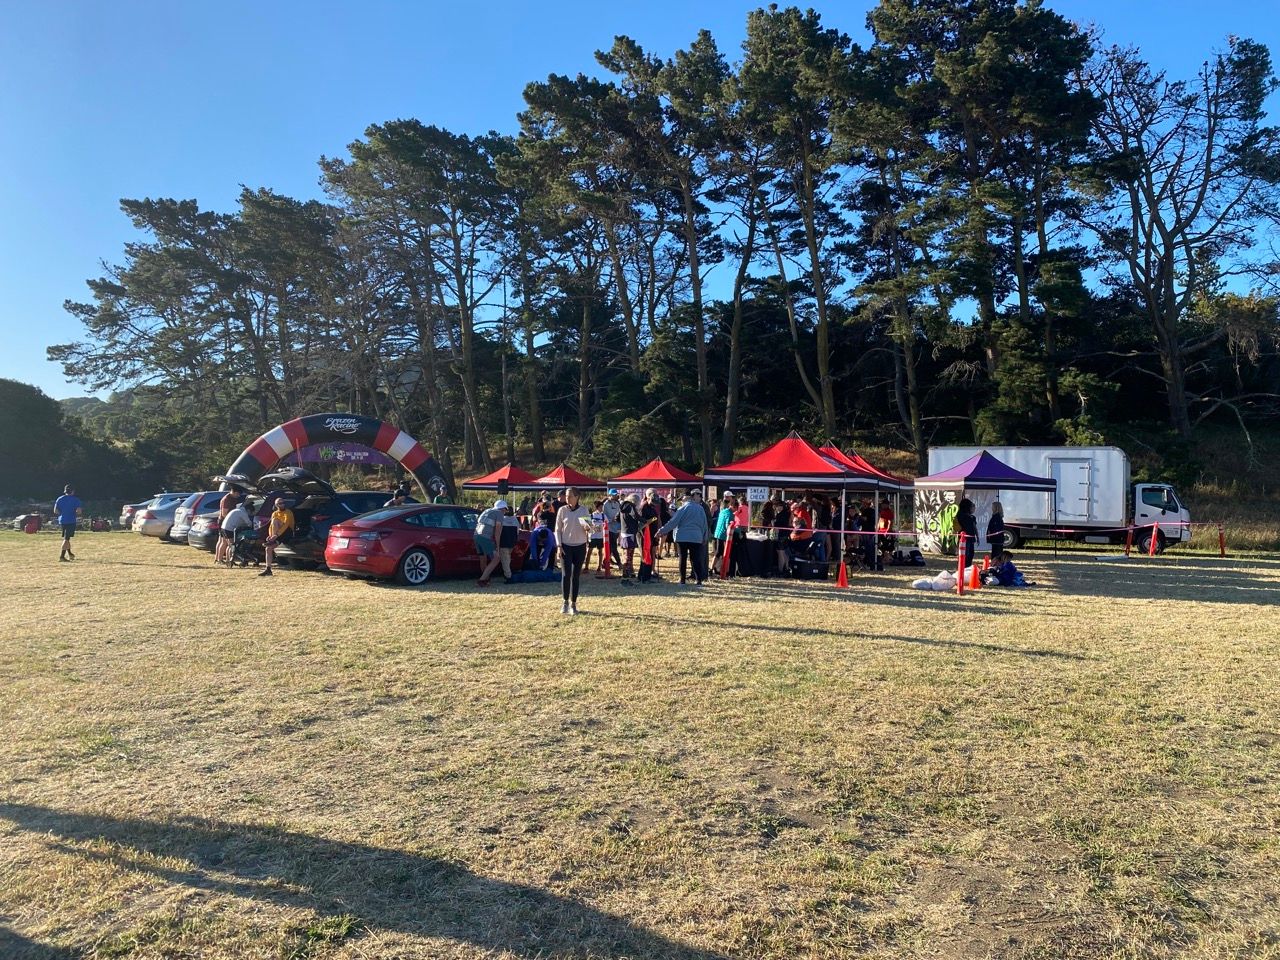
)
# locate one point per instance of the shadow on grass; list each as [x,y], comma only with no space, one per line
[1214,583]
[658,621]
[14,946]
[387,890]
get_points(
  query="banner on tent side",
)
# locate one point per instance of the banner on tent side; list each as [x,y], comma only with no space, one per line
[935,518]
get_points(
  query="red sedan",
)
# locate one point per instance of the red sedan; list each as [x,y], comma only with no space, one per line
[413,543]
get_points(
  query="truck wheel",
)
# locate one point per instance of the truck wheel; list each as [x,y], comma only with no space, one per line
[1145,542]
[1012,541]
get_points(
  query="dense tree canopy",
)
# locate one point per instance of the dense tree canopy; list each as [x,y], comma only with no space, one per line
[982,226]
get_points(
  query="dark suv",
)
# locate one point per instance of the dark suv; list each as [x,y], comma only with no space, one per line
[316,507]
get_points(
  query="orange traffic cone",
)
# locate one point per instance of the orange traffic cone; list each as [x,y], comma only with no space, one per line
[975,581]
[842,577]
[986,563]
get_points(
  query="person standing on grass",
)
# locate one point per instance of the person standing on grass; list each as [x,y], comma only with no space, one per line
[613,530]
[573,528]
[739,559]
[995,529]
[688,527]
[508,537]
[281,522]
[68,508]
[723,518]
[967,521]
[648,536]
[630,531]
[596,543]
[488,530]
[230,500]
[664,515]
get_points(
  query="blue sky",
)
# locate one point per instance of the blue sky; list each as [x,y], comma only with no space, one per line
[100,101]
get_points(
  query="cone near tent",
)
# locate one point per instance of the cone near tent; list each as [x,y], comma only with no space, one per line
[656,472]
[516,479]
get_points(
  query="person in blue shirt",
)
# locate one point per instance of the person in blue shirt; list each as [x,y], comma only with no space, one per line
[1004,573]
[68,508]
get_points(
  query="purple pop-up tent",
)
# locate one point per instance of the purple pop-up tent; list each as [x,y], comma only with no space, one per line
[980,478]
[984,472]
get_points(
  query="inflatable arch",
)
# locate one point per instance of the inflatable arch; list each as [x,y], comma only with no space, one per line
[268,450]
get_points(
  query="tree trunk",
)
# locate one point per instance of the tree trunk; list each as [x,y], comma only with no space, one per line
[584,376]
[789,303]
[530,357]
[1050,321]
[828,406]
[699,326]
[466,330]
[625,302]
[732,401]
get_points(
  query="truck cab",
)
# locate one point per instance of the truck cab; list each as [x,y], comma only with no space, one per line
[1158,504]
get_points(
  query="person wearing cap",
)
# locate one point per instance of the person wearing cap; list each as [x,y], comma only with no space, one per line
[613,525]
[488,531]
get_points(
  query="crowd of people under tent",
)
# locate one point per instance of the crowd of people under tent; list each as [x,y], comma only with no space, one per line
[814,526]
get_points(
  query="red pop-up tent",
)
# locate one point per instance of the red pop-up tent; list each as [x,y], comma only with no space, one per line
[872,476]
[791,462]
[516,479]
[657,472]
[565,476]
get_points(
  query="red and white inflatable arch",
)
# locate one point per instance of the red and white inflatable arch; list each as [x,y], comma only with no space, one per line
[268,450]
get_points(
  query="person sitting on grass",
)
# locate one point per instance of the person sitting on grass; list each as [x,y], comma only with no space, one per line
[1003,573]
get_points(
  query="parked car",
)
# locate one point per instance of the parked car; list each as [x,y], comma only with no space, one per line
[203,534]
[413,544]
[190,508]
[128,511]
[156,518]
[316,507]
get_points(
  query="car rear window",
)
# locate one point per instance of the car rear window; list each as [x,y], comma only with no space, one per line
[363,501]
[436,520]
[377,516]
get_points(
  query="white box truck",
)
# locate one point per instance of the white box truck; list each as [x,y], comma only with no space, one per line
[1094,499]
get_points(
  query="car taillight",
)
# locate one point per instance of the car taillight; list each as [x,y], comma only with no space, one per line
[373,535]
[148,515]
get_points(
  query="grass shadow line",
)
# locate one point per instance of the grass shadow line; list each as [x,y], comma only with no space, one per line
[388,890]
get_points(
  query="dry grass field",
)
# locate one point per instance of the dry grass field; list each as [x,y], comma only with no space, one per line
[198,763]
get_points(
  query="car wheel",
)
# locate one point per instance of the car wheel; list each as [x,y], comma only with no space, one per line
[415,568]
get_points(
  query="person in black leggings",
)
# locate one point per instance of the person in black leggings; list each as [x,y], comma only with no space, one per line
[573,525]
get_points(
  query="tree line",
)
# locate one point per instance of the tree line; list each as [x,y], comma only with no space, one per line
[984,225]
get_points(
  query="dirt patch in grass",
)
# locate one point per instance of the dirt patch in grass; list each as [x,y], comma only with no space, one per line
[195,762]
